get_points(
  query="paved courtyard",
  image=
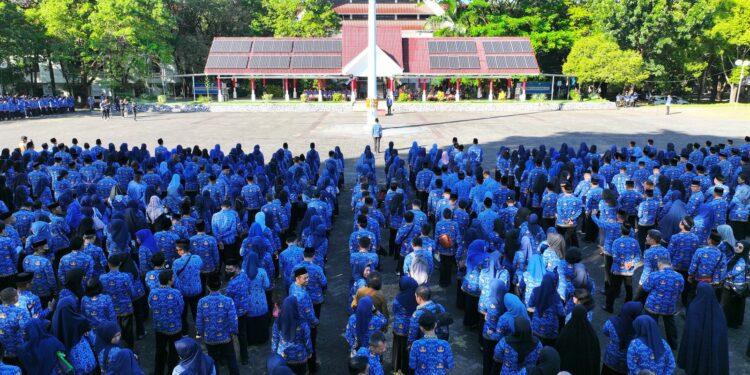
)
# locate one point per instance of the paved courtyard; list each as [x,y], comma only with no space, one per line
[688,124]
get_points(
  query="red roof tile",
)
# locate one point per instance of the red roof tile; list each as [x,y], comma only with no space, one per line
[355,41]
[384,9]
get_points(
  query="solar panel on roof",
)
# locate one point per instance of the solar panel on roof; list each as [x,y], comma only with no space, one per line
[231,46]
[454,62]
[226,62]
[319,46]
[511,62]
[451,46]
[316,62]
[507,46]
[272,46]
[269,62]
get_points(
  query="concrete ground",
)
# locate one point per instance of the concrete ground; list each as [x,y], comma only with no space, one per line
[603,128]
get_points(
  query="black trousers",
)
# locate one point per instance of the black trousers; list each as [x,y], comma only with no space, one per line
[165,352]
[191,303]
[298,368]
[685,297]
[569,233]
[669,327]
[489,366]
[312,362]
[446,269]
[641,234]
[126,326]
[471,315]
[607,270]
[140,312]
[547,223]
[224,353]
[392,243]
[614,289]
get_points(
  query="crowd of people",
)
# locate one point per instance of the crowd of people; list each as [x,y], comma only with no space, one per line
[213,246]
[22,107]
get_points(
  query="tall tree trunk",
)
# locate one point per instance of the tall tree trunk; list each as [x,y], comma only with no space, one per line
[51,75]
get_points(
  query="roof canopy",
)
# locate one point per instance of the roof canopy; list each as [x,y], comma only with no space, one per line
[347,56]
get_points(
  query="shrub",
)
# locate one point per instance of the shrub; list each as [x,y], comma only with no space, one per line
[538,97]
[161,99]
[204,98]
[501,95]
[267,97]
[575,95]
[147,97]
[303,97]
[594,96]
[338,97]
[404,97]
[440,96]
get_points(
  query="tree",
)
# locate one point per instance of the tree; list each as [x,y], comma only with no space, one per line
[597,59]
[298,18]
[733,30]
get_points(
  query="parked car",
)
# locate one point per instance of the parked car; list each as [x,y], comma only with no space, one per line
[662,99]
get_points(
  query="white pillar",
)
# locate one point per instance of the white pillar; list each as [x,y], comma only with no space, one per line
[372,80]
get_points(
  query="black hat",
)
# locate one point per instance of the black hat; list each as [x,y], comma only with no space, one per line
[232,262]
[719,190]
[629,183]
[24,277]
[39,243]
[89,232]
[300,271]
[695,183]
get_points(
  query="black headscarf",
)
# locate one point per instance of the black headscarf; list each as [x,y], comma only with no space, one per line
[548,364]
[704,348]
[743,255]
[68,324]
[74,281]
[522,341]
[578,345]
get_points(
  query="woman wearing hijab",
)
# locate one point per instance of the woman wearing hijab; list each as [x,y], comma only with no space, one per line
[134,218]
[733,293]
[365,320]
[124,362]
[728,242]
[648,350]
[155,209]
[404,306]
[532,277]
[257,321]
[704,348]
[548,308]
[548,364]
[70,326]
[146,248]
[107,343]
[192,359]
[38,355]
[620,331]
[555,250]
[578,345]
[476,258]
[513,353]
[291,337]
[674,211]
[490,336]
[118,237]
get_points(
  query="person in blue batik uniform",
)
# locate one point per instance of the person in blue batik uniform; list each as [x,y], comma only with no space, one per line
[447,238]
[8,257]
[306,310]
[363,323]
[514,352]
[374,353]
[95,252]
[664,287]
[651,255]
[7,369]
[708,263]
[216,323]
[404,305]
[291,336]
[681,248]
[166,306]
[317,282]
[206,247]
[71,328]
[290,257]
[119,286]
[626,258]
[257,312]
[619,330]
[490,336]
[424,305]
[28,300]
[44,283]
[13,321]
[648,351]
[430,355]
[238,289]
[735,280]
[418,252]
[569,208]
[547,307]
[648,210]
[76,259]
[187,271]
[97,307]
[363,257]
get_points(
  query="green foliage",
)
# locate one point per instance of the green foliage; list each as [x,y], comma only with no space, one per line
[404,97]
[204,98]
[575,96]
[267,97]
[440,96]
[338,97]
[502,95]
[538,97]
[598,59]
[148,97]
[303,98]
[161,99]
[283,18]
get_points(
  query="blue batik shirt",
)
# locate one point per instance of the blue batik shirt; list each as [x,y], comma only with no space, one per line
[641,357]
[719,207]
[545,324]
[629,201]
[614,358]
[8,257]
[238,289]
[401,319]
[257,294]
[187,269]
[217,319]
[32,304]
[430,356]
[317,282]
[289,258]
[647,211]
[362,259]
[76,259]
[549,204]
[450,228]
[373,359]
[207,249]
[13,321]
[166,241]
[508,357]
[224,226]
[119,286]
[296,351]
[651,259]
[569,207]
[377,322]
[664,287]
[304,304]
[98,309]
[681,247]
[414,332]
[44,282]
[252,196]
[707,265]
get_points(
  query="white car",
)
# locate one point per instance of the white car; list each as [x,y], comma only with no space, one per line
[660,99]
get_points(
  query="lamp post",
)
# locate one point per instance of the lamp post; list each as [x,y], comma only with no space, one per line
[742,64]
